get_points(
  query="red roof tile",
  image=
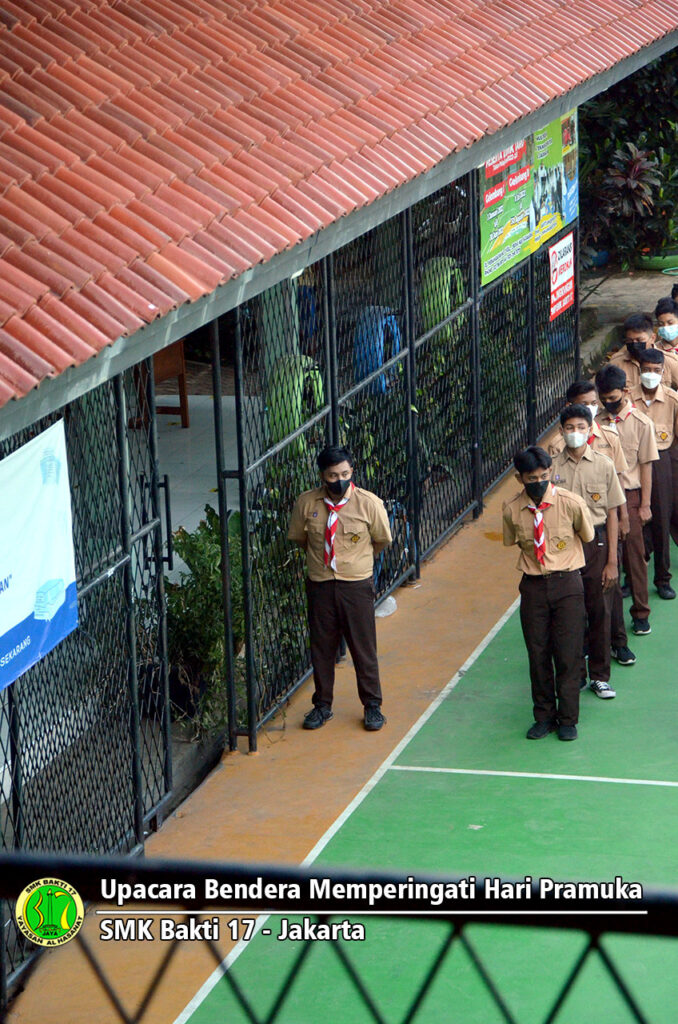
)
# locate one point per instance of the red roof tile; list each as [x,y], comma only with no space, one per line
[152,150]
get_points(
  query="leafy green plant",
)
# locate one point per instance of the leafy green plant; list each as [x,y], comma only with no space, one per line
[195,621]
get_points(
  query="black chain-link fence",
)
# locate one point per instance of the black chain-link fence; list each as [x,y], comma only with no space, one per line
[391,347]
[84,733]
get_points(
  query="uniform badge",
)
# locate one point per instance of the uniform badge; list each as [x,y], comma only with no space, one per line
[355,538]
[663,435]
[596,496]
[556,478]
[315,515]
[561,544]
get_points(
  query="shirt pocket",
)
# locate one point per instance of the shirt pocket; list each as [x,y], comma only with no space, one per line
[353,533]
[595,497]
[315,524]
[559,544]
[662,435]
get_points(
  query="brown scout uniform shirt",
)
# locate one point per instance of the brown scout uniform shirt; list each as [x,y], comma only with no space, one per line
[362,532]
[605,441]
[636,434]
[593,478]
[662,410]
[566,524]
[632,368]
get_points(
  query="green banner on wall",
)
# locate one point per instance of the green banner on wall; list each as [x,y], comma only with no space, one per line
[528,192]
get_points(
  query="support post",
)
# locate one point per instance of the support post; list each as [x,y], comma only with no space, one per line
[223,525]
[411,366]
[332,362]
[476,369]
[531,355]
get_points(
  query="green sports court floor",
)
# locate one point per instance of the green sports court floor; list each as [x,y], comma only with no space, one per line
[464,794]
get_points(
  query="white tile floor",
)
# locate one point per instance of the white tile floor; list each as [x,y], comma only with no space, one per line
[188,457]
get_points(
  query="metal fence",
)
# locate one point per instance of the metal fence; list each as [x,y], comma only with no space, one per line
[389,346]
[442,951]
[84,734]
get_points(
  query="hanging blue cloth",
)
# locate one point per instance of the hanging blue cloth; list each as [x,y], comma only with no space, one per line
[376,340]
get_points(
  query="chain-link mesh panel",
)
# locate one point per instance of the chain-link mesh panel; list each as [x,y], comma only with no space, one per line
[369,302]
[373,424]
[66,725]
[284,363]
[277,568]
[441,241]
[444,427]
[556,342]
[504,364]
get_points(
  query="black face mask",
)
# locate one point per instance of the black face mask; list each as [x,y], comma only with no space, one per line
[613,406]
[635,349]
[536,490]
[338,488]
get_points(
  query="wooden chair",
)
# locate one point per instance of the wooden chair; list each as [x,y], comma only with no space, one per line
[167,364]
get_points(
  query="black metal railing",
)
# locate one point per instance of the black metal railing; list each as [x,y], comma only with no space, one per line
[392,347]
[445,921]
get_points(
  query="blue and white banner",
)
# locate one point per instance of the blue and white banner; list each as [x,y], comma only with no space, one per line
[38,599]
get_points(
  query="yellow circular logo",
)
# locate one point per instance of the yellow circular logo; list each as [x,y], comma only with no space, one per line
[49,912]
[561,544]
[596,496]
[663,435]
[355,538]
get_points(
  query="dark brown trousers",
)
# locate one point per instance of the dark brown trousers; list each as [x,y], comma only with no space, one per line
[635,565]
[657,531]
[343,608]
[552,616]
[598,607]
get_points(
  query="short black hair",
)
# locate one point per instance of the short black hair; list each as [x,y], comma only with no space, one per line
[652,355]
[639,322]
[609,378]
[532,458]
[579,388]
[576,411]
[332,455]
[666,305]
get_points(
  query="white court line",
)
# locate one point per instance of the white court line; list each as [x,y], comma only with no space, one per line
[216,975]
[531,775]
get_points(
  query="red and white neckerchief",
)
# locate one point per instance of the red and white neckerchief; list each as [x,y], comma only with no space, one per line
[331,528]
[539,539]
[591,439]
[620,419]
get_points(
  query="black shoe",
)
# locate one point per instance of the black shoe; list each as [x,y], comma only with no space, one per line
[625,590]
[641,627]
[538,730]
[317,716]
[373,717]
[666,592]
[567,732]
[623,655]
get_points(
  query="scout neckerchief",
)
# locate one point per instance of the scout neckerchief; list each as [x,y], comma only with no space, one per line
[331,528]
[620,419]
[539,539]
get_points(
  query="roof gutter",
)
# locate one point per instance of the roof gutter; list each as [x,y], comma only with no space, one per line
[127,352]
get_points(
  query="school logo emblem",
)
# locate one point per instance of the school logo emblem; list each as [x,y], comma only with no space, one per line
[49,912]
[596,496]
[355,538]
[663,435]
[561,544]
[315,515]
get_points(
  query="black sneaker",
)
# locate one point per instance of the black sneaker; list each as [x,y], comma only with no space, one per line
[317,716]
[538,730]
[373,717]
[641,627]
[567,732]
[623,655]
[666,592]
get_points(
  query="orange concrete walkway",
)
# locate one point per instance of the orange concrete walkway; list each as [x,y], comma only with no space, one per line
[274,806]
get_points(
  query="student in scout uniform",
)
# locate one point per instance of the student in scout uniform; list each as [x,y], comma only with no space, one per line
[549,525]
[584,471]
[636,434]
[639,335]
[666,315]
[661,406]
[341,527]
[606,441]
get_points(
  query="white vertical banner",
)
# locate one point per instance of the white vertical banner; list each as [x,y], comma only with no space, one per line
[561,266]
[38,599]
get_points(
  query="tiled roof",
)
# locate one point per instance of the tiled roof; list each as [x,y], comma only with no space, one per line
[151,150]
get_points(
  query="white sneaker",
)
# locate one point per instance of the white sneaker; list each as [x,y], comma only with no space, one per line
[601,689]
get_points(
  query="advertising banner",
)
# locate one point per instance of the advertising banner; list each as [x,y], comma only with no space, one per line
[528,192]
[561,264]
[38,600]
